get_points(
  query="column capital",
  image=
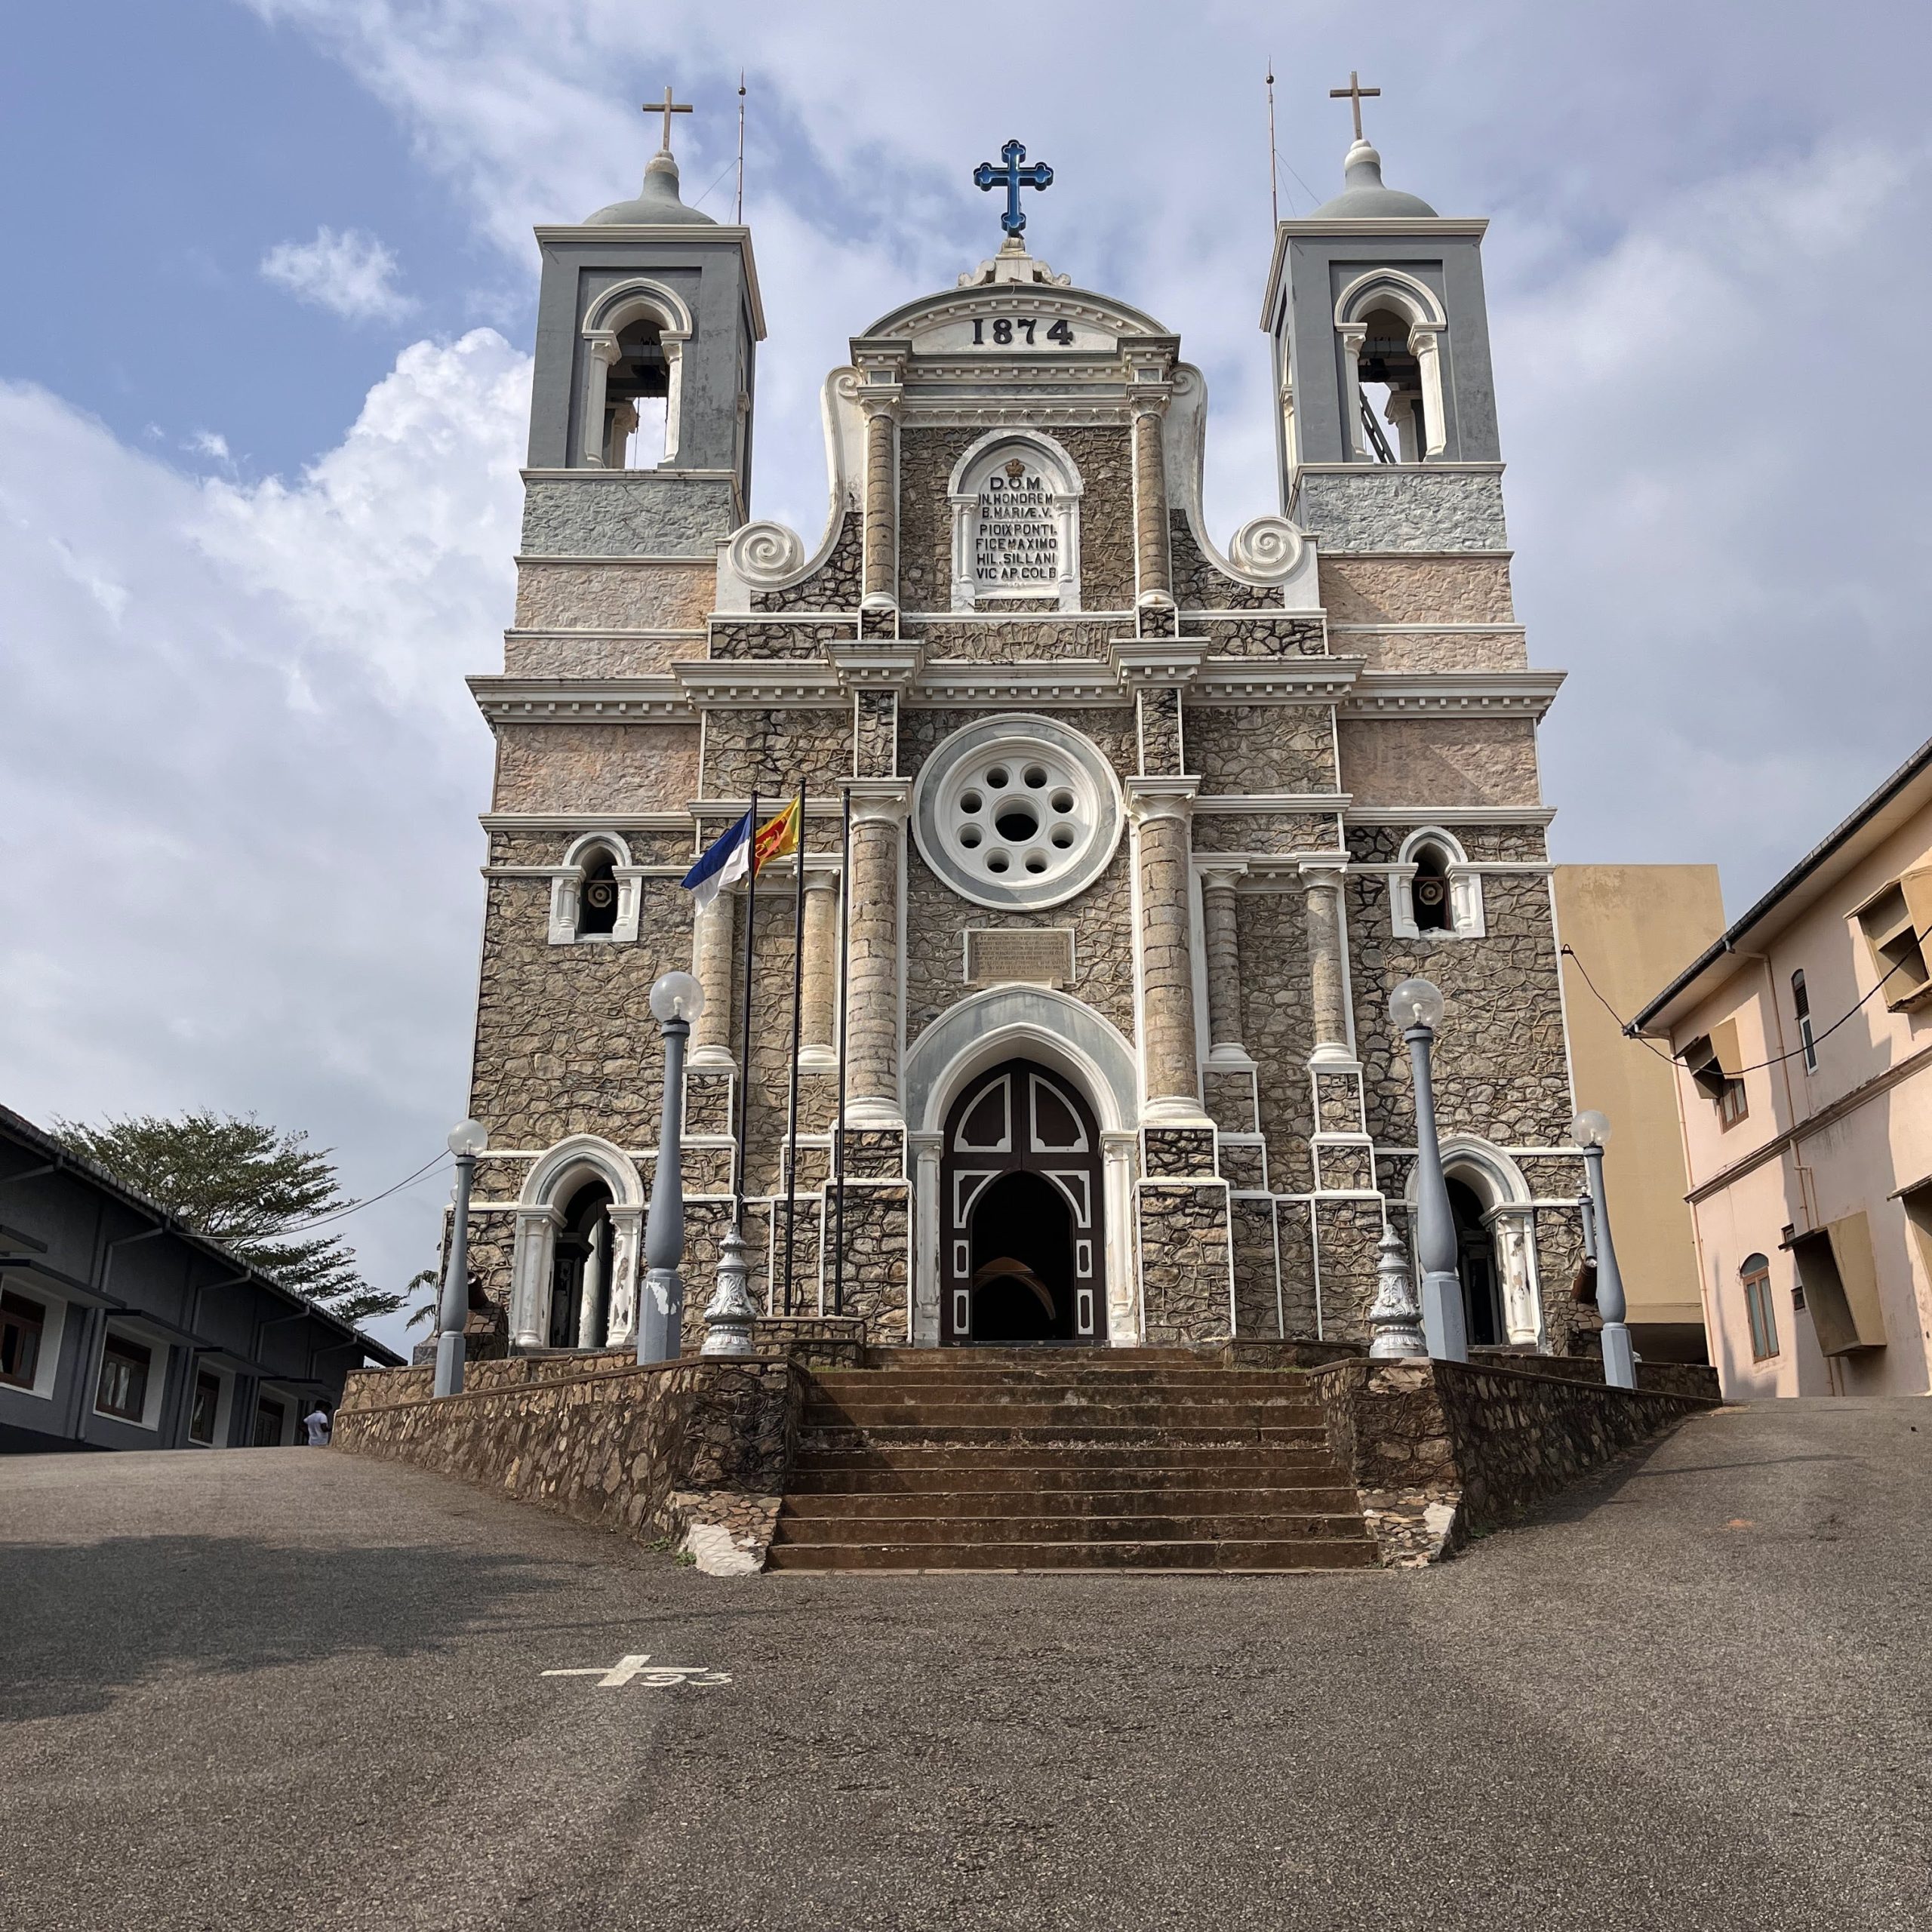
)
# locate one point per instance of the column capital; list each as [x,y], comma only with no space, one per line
[880,801]
[1164,662]
[1324,871]
[894,667]
[1220,877]
[1148,799]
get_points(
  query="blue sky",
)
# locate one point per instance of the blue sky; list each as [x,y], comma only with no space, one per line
[263,372]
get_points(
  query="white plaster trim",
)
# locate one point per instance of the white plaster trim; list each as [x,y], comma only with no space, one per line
[1233,803]
[586,822]
[566,889]
[1526,693]
[581,700]
[1440,815]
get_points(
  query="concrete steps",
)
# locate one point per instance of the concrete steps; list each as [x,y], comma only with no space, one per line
[1038,1458]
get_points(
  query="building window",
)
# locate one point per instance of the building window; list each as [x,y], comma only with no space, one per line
[201,1419]
[597,896]
[1758,1310]
[1715,1063]
[1018,812]
[1896,923]
[23,1325]
[125,1367]
[1433,890]
[1801,1001]
[1732,1106]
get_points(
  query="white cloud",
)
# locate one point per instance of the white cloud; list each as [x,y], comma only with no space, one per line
[243,772]
[351,274]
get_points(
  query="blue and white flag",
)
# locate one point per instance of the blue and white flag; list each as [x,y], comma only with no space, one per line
[726,861]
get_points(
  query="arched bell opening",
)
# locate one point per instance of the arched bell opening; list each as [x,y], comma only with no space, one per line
[581,1270]
[597,896]
[1022,1246]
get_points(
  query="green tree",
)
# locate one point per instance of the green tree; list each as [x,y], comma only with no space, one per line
[247,1185]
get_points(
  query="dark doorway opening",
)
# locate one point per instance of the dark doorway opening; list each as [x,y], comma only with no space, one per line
[1023,1254]
[579,1272]
[1023,1262]
[1476,1263]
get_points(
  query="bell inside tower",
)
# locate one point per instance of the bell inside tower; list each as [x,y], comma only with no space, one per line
[1389,377]
[636,399]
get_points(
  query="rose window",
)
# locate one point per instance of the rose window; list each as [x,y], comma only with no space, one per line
[1017,812]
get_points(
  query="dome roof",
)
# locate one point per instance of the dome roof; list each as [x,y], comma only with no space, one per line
[655,204]
[1363,197]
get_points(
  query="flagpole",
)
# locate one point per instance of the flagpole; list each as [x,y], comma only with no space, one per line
[838,1122]
[745,1053]
[792,1102]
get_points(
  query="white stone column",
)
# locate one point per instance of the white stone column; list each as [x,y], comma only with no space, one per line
[1160,810]
[626,1242]
[1221,947]
[589,1326]
[926,1152]
[534,1255]
[875,973]
[881,532]
[713,939]
[1333,1041]
[1124,1324]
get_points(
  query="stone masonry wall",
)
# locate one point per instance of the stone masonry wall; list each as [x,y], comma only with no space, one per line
[1254,750]
[696,1451]
[1440,761]
[605,596]
[1185,1261]
[1441,1450]
[595,767]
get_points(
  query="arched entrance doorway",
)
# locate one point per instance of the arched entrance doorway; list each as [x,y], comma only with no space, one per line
[1476,1263]
[1021,1243]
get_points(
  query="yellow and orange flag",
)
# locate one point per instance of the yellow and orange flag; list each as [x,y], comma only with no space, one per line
[775,838]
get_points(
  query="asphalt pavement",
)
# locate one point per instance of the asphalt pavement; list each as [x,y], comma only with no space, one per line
[291,1688]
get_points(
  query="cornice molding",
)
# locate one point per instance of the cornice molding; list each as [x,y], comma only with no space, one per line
[759,685]
[1521,693]
[1446,815]
[505,700]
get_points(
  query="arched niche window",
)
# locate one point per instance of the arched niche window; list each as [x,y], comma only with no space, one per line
[1433,890]
[1016,523]
[1755,1278]
[594,893]
[1390,324]
[633,376]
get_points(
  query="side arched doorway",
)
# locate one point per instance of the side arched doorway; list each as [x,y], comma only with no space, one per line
[1476,1263]
[1022,1248]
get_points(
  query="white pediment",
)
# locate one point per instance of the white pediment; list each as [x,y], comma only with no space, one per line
[1013,321]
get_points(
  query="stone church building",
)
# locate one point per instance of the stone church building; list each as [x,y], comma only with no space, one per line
[1146,819]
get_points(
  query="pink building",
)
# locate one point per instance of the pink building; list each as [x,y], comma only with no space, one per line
[1803,1040]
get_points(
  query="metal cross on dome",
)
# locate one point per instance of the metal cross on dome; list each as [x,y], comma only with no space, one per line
[1012,176]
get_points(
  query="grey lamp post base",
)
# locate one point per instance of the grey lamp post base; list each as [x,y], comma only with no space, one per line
[729,1315]
[1394,1321]
[661,1315]
[1620,1358]
[1442,1317]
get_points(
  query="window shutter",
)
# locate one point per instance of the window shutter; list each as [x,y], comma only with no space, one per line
[1725,1050]
[1851,1249]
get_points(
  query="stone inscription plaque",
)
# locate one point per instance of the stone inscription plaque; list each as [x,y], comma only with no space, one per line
[1017,546]
[1032,956]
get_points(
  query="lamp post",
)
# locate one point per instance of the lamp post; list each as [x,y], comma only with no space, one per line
[676,1000]
[1416,1007]
[466,1141]
[1591,1131]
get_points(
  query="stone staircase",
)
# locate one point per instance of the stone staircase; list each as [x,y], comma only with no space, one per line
[1052,1459]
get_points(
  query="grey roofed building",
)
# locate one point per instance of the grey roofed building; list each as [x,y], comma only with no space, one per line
[121,1328]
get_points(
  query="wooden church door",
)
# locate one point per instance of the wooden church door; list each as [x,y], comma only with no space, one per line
[1021,1251]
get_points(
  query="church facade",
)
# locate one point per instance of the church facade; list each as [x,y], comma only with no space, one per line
[1144,824]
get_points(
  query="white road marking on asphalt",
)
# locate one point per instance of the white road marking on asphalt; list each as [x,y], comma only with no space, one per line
[641,1670]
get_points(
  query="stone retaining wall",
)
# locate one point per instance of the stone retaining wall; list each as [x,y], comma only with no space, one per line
[1441,1450]
[694,1451]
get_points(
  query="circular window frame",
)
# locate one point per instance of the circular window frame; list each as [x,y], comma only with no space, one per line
[1018,739]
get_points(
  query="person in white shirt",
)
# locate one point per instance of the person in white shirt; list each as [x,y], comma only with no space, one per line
[316,1422]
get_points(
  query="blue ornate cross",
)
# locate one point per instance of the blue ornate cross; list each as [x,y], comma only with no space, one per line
[1012,177]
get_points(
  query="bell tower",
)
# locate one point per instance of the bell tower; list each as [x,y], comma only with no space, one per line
[648,321]
[1386,422]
